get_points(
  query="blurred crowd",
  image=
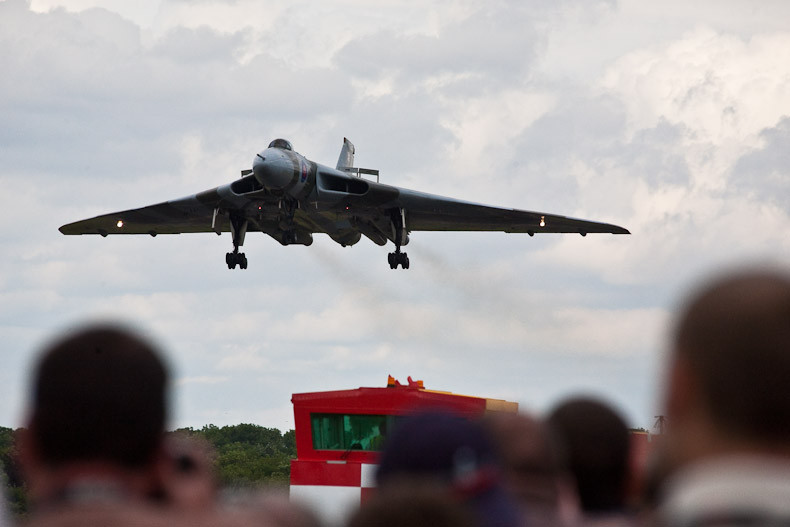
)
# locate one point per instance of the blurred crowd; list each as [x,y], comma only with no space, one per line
[94,449]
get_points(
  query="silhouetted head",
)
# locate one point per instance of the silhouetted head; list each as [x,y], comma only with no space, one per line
[734,336]
[99,394]
[596,447]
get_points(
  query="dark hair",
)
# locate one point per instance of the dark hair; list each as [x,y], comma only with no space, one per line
[595,440]
[99,394]
[735,335]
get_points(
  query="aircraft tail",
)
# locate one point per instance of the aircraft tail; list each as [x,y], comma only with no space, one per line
[346,160]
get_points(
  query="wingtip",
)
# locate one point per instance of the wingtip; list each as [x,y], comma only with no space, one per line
[70,229]
[616,229]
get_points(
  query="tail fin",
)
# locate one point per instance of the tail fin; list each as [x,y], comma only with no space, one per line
[346,159]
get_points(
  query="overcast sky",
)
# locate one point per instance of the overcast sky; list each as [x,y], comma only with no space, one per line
[670,118]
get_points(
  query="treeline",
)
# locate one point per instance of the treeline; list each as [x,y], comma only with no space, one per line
[10,475]
[249,455]
[246,456]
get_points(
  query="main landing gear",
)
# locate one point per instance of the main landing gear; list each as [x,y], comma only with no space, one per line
[236,258]
[400,237]
[398,258]
[238,228]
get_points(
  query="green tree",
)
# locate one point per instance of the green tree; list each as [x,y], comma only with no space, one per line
[10,474]
[250,455]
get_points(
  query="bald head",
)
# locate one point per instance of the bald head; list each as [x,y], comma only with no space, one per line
[734,335]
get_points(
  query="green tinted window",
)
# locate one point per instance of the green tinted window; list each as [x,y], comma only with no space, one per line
[349,431]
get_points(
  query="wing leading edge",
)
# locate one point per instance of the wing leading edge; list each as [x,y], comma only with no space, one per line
[426,212]
[191,214]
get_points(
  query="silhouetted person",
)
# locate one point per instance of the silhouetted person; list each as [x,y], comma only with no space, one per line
[97,420]
[95,452]
[534,473]
[595,442]
[727,404]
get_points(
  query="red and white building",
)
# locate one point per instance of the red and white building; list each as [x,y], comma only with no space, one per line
[339,435]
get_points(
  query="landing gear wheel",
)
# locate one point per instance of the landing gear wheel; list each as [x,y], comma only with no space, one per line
[398,258]
[238,229]
[234,259]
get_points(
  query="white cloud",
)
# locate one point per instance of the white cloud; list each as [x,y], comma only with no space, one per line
[722,87]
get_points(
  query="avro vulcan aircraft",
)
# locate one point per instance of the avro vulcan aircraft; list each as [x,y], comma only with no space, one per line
[290,198]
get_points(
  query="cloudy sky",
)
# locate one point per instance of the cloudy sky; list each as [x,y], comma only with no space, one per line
[671,119]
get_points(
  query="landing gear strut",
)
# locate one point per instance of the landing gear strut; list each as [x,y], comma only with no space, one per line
[238,228]
[400,237]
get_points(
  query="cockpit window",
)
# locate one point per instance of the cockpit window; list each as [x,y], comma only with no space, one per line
[281,143]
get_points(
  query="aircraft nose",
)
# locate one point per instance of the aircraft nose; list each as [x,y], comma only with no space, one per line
[270,171]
